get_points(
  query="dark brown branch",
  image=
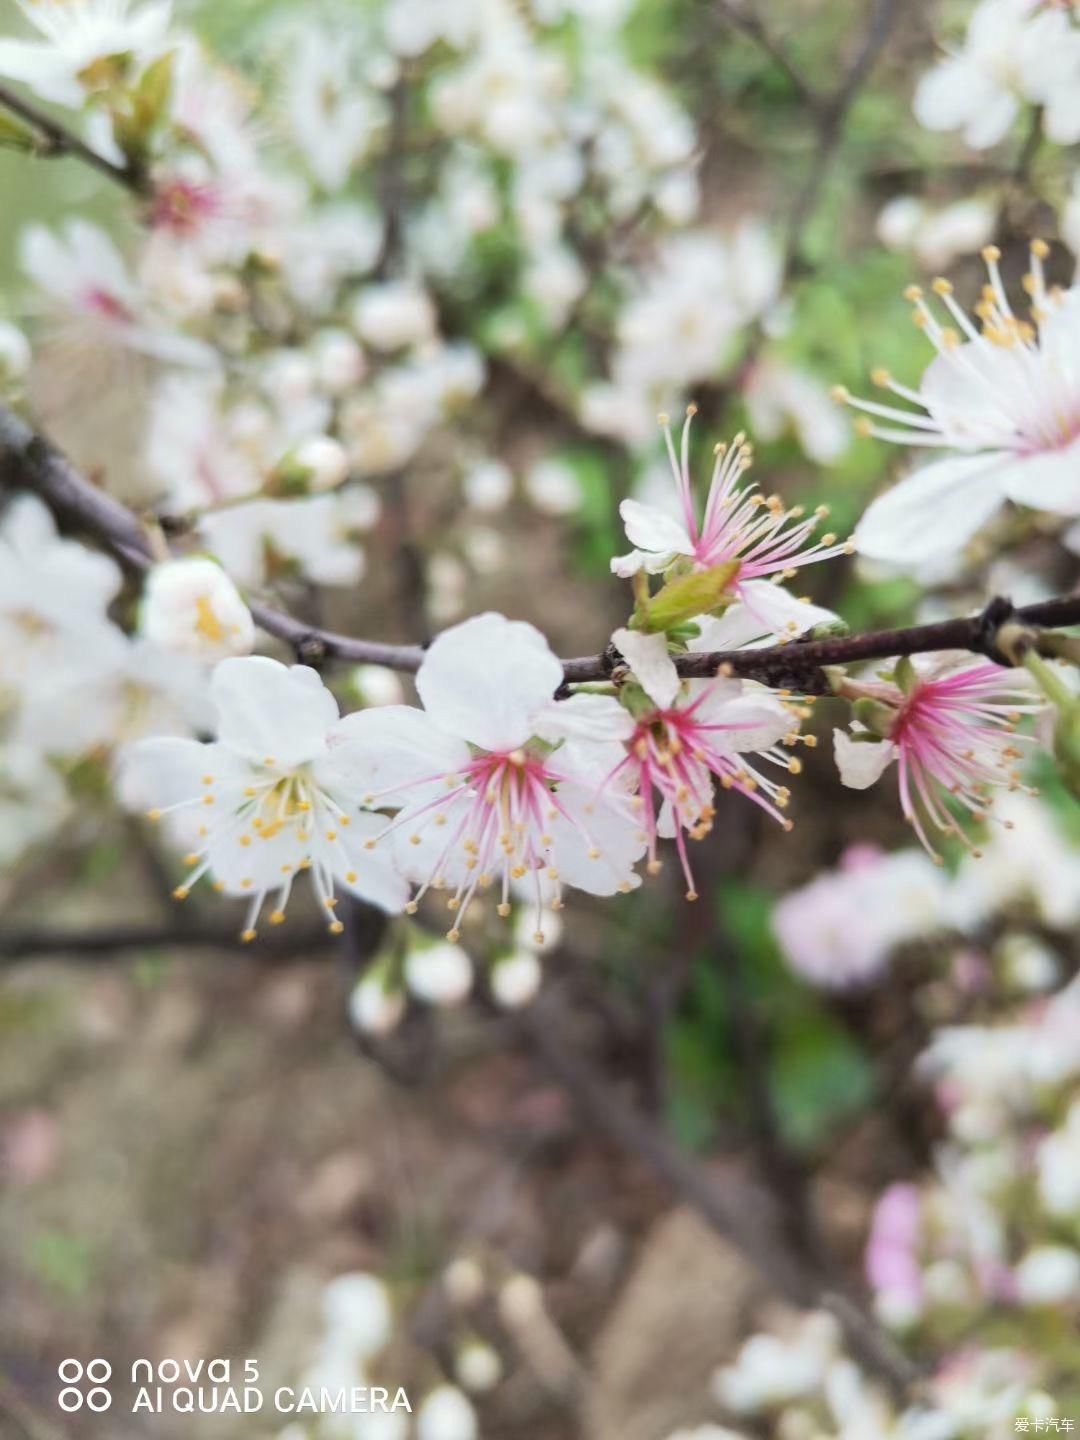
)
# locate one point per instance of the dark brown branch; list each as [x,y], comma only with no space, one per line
[56,140]
[29,462]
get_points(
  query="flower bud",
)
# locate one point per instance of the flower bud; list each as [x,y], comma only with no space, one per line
[192,607]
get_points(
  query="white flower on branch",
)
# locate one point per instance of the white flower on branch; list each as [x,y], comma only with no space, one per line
[271,798]
[1014,51]
[1006,398]
[192,606]
[85,45]
[483,799]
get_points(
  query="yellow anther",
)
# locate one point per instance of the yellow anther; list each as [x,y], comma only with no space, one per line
[691,895]
[411,907]
[880,376]
[941,286]
[208,799]
[277,917]
[1040,249]
[350,877]
[247,936]
[913,293]
[336,927]
[181,892]
[153,815]
[331,834]
[864,427]
[502,909]
[991,254]
[453,936]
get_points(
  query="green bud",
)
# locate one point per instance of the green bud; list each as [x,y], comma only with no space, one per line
[633,698]
[875,715]
[701,592]
[1066,704]
[905,674]
[830,630]
[14,135]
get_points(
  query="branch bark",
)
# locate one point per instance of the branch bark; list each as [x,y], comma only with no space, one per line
[28,461]
[57,140]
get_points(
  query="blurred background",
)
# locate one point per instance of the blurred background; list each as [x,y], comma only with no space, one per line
[497,239]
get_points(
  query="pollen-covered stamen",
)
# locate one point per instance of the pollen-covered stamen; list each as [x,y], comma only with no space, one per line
[955,742]
[274,804]
[762,535]
[677,755]
[497,814]
[1030,404]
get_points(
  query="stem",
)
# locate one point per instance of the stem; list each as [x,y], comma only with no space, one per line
[57,140]
[28,461]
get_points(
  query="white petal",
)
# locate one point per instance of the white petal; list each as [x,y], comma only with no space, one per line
[627,566]
[932,512]
[272,711]
[1046,481]
[378,879]
[777,614]
[648,658]
[585,717]
[595,825]
[394,752]
[648,528]
[861,762]
[486,680]
[754,721]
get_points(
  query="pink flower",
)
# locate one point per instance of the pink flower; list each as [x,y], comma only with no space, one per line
[950,731]
[686,738]
[767,541]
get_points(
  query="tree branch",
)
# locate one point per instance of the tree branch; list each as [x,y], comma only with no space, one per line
[27,461]
[755,29]
[56,140]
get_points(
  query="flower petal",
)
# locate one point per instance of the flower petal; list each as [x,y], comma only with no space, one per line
[394,752]
[648,658]
[1049,480]
[485,680]
[268,710]
[648,528]
[591,825]
[933,511]
[378,879]
[776,614]
[861,762]
[584,717]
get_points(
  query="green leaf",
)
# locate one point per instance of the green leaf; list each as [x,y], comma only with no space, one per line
[819,1075]
[699,593]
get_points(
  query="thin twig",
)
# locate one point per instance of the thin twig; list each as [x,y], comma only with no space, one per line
[755,29]
[56,140]
[28,461]
[830,125]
